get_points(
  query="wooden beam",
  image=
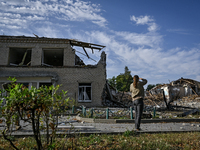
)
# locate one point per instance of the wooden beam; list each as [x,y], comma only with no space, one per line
[86,52]
[85,55]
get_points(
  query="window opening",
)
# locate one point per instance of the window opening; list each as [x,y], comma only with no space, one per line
[45,84]
[20,56]
[52,57]
[85,92]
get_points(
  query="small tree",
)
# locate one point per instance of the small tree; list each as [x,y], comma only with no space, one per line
[38,106]
[124,80]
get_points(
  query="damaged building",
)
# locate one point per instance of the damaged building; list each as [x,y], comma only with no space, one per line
[186,87]
[176,90]
[37,61]
[160,96]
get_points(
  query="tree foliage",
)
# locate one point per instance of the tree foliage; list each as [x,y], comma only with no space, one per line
[150,86]
[39,106]
[122,81]
[112,81]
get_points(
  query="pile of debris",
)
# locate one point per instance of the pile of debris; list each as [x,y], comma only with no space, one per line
[182,92]
[192,101]
[124,97]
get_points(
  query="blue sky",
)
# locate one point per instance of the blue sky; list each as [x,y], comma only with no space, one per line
[157,39]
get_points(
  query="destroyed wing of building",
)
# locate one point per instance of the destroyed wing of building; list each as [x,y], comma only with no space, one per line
[175,90]
[160,96]
[37,61]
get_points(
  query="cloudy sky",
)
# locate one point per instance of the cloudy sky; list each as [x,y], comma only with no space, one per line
[157,39]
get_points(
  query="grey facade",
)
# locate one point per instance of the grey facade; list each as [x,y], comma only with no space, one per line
[38,61]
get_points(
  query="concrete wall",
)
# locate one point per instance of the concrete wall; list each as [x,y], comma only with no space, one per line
[68,75]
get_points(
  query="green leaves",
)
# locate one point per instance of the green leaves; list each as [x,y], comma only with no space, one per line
[12,79]
[42,99]
[122,81]
[33,104]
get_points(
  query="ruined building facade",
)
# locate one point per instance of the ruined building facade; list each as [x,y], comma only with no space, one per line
[36,61]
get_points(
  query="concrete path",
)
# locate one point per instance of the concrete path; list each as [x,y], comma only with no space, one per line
[68,125]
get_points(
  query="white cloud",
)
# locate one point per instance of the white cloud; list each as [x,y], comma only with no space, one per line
[147,39]
[179,31]
[153,27]
[48,31]
[35,17]
[152,62]
[69,10]
[142,19]
[145,20]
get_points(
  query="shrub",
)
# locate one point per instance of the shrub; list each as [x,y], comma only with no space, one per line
[38,106]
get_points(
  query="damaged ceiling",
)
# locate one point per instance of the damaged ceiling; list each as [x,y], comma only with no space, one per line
[38,39]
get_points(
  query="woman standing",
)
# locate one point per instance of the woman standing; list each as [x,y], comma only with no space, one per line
[137,91]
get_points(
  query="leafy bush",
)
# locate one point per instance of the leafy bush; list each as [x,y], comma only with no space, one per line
[39,106]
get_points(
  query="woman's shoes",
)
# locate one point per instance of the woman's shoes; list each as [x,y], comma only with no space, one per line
[138,129]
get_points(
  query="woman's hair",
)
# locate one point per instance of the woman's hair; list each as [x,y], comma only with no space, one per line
[135,81]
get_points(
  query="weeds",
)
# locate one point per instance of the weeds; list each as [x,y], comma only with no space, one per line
[128,133]
[126,141]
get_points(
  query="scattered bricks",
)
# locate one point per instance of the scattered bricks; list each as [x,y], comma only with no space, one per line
[198,125]
[192,125]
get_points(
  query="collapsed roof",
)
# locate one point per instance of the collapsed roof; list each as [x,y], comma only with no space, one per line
[37,39]
[184,80]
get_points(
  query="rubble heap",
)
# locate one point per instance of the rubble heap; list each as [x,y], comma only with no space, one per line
[192,101]
[182,92]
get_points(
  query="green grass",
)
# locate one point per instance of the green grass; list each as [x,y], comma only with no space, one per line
[126,141]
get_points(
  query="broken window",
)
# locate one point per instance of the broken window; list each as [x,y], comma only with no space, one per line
[20,56]
[52,57]
[45,84]
[85,92]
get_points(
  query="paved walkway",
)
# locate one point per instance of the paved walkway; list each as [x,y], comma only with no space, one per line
[68,125]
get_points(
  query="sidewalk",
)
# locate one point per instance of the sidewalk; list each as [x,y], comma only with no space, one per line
[71,126]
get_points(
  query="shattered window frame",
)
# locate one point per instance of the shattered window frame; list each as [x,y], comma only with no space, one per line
[20,56]
[85,92]
[52,57]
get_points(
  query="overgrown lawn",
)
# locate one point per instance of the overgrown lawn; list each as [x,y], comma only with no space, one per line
[128,140]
